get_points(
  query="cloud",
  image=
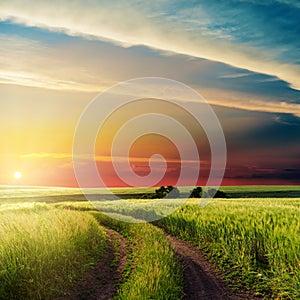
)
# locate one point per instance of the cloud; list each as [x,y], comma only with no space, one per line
[132,23]
[251,102]
[103,158]
[232,99]
[82,65]
[47,155]
[40,81]
[28,62]
[294,3]
[236,75]
[256,105]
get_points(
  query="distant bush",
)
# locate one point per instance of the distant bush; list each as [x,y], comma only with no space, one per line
[167,191]
[196,192]
[170,191]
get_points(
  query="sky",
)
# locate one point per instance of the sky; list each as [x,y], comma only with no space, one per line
[242,56]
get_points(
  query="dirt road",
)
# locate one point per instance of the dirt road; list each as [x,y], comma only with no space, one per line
[201,281]
[101,282]
[200,278]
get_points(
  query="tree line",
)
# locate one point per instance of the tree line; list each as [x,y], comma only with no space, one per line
[170,191]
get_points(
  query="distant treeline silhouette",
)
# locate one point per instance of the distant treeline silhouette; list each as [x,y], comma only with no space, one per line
[170,191]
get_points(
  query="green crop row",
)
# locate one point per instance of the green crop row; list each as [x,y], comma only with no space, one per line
[155,271]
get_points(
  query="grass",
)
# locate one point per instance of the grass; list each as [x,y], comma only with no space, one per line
[262,191]
[44,247]
[154,271]
[256,241]
[43,251]
[139,210]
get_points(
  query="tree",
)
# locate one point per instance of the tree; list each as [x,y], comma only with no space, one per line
[168,191]
[196,192]
[173,192]
[161,192]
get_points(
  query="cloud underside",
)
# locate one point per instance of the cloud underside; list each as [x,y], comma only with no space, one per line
[100,158]
[258,105]
[118,24]
[261,106]
[231,99]
[40,81]
[129,25]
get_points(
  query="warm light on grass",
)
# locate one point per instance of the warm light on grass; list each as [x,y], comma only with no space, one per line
[44,251]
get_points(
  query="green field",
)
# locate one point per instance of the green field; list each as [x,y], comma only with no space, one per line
[50,236]
[44,250]
[256,241]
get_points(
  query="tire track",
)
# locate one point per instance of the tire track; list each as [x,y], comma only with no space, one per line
[101,282]
[200,280]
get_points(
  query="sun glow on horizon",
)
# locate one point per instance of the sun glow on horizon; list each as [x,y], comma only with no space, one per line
[17,175]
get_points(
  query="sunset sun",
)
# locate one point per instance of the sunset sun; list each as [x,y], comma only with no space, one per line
[17,175]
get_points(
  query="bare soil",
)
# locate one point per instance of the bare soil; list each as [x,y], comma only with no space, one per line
[201,280]
[101,282]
